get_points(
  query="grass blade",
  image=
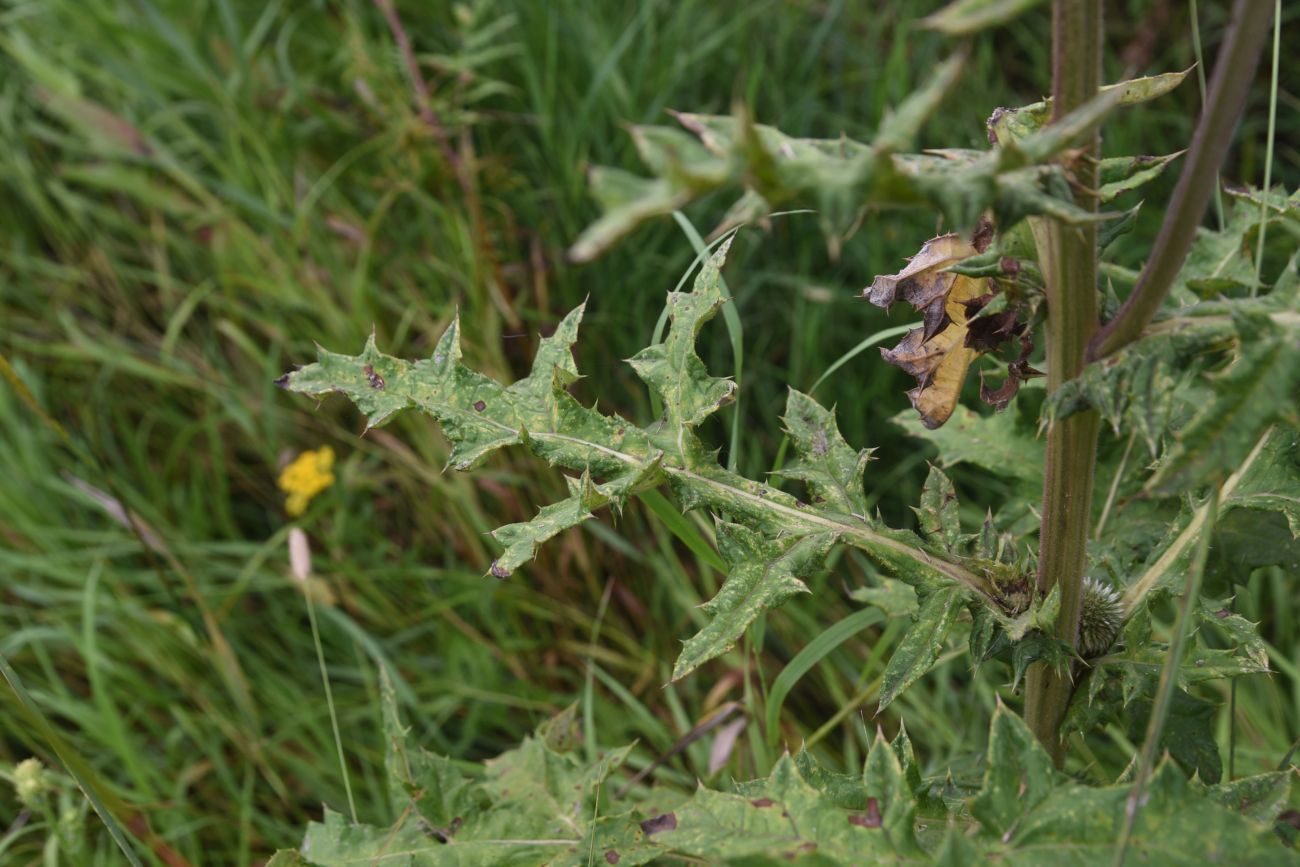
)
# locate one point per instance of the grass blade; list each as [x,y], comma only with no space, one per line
[804,661]
[1268,150]
[1168,679]
[76,766]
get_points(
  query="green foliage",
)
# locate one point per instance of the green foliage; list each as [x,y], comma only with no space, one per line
[841,178]
[920,648]
[541,804]
[1207,390]
[1211,394]
[770,540]
[1121,684]
[198,191]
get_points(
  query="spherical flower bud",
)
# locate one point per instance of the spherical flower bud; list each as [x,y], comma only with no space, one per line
[1103,614]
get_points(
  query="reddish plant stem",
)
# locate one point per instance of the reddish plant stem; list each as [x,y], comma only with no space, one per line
[1234,70]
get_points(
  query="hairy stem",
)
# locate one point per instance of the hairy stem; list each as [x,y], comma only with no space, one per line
[1069,259]
[1233,72]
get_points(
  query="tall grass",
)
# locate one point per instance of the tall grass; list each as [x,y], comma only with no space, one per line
[197,192]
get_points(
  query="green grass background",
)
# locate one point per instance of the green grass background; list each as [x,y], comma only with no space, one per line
[193,194]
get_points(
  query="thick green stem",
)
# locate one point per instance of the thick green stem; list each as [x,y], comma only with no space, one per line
[1068,256]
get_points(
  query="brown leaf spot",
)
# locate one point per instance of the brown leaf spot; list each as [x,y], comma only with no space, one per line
[612,857]
[869,819]
[480,405]
[663,822]
[1222,613]
[376,381]
[498,571]
[442,835]
[762,802]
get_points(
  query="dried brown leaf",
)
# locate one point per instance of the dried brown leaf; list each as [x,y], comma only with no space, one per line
[937,354]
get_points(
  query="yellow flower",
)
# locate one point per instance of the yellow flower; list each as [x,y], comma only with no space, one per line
[305,477]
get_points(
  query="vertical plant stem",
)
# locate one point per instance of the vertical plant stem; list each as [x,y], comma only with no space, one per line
[329,701]
[1069,258]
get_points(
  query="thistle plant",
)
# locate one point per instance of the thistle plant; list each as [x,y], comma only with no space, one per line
[1197,369]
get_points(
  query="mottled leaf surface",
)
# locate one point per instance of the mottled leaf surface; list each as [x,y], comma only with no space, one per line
[540,805]
[1019,777]
[771,539]
[841,179]
[921,646]
[763,573]
[830,468]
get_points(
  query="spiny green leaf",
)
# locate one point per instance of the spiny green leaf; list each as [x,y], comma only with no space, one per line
[895,598]
[430,784]
[827,465]
[538,804]
[764,573]
[783,818]
[684,169]
[334,842]
[1120,175]
[938,511]
[1271,482]
[522,540]
[1242,635]
[1079,825]
[920,647]
[1020,774]
[1153,382]
[1067,131]
[613,459]
[846,791]
[1259,387]
[840,178]
[1019,123]
[1261,797]
[902,747]
[1254,501]
[887,784]
[672,368]
[627,200]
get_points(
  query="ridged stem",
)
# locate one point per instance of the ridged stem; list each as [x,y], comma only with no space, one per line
[1068,256]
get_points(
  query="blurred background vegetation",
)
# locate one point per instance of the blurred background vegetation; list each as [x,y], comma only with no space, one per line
[195,193]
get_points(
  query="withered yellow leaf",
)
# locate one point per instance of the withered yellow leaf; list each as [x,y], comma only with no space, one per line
[936,353]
